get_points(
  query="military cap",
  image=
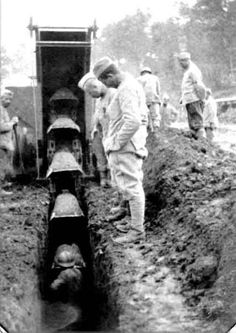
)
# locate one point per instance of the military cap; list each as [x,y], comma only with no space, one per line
[146,69]
[184,56]
[101,65]
[88,76]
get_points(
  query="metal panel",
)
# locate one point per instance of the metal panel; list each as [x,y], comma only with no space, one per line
[66,205]
[63,161]
[63,122]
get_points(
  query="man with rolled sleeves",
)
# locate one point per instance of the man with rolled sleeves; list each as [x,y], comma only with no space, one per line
[6,138]
[125,141]
[192,94]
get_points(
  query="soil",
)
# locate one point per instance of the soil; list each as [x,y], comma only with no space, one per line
[23,218]
[182,279]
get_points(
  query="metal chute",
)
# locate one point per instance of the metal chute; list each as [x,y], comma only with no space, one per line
[64,123]
[66,205]
[63,161]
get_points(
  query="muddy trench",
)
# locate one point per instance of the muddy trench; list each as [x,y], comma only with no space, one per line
[181,280]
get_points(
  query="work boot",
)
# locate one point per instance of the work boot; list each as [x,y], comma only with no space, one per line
[122,226]
[201,133]
[123,204]
[121,213]
[133,236]
[5,193]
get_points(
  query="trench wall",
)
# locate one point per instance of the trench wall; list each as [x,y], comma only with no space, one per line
[190,190]
[22,238]
[190,221]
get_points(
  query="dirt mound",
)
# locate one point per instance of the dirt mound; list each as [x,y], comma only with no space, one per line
[182,279]
[190,189]
[22,230]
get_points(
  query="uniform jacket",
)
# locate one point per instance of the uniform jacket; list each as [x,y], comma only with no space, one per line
[128,115]
[6,136]
[192,76]
[151,87]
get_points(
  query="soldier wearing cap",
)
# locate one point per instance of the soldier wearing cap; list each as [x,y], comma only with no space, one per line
[151,86]
[6,137]
[193,94]
[125,141]
[96,89]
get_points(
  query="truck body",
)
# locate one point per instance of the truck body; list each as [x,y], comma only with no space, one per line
[63,56]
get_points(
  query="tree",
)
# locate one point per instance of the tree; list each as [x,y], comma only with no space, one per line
[126,40]
[165,43]
[210,31]
[5,63]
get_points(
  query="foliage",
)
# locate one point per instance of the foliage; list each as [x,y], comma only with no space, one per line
[211,36]
[5,62]
[126,40]
[207,30]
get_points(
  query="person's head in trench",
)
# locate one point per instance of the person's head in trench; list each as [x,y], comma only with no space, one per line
[91,85]
[184,59]
[6,97]
[108,72]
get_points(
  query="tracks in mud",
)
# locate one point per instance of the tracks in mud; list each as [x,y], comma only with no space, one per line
[142,292]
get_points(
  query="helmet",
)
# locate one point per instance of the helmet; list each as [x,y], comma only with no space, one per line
[65,256]
[146,69]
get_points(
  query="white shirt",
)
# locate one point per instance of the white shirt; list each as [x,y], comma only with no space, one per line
[192,75]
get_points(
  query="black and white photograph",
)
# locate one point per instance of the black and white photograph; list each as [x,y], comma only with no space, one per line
[118,166]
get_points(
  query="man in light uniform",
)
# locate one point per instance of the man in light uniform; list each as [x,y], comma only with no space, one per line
[125,141]
[151,87]
[6,137]
[210,119]
[192,94]
[96,89]
[168,112]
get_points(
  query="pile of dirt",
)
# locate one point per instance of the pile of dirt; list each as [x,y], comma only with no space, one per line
[22,238]
[183,278]
[190,188]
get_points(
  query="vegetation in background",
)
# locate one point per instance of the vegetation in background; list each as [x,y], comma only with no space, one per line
[207,30]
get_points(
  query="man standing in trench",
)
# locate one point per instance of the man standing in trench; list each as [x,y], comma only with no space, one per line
[6,138]
[125,141]
[193,94]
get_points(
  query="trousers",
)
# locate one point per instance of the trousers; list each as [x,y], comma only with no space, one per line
[127,176]
[154,116]
[98,149]
[6,164]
